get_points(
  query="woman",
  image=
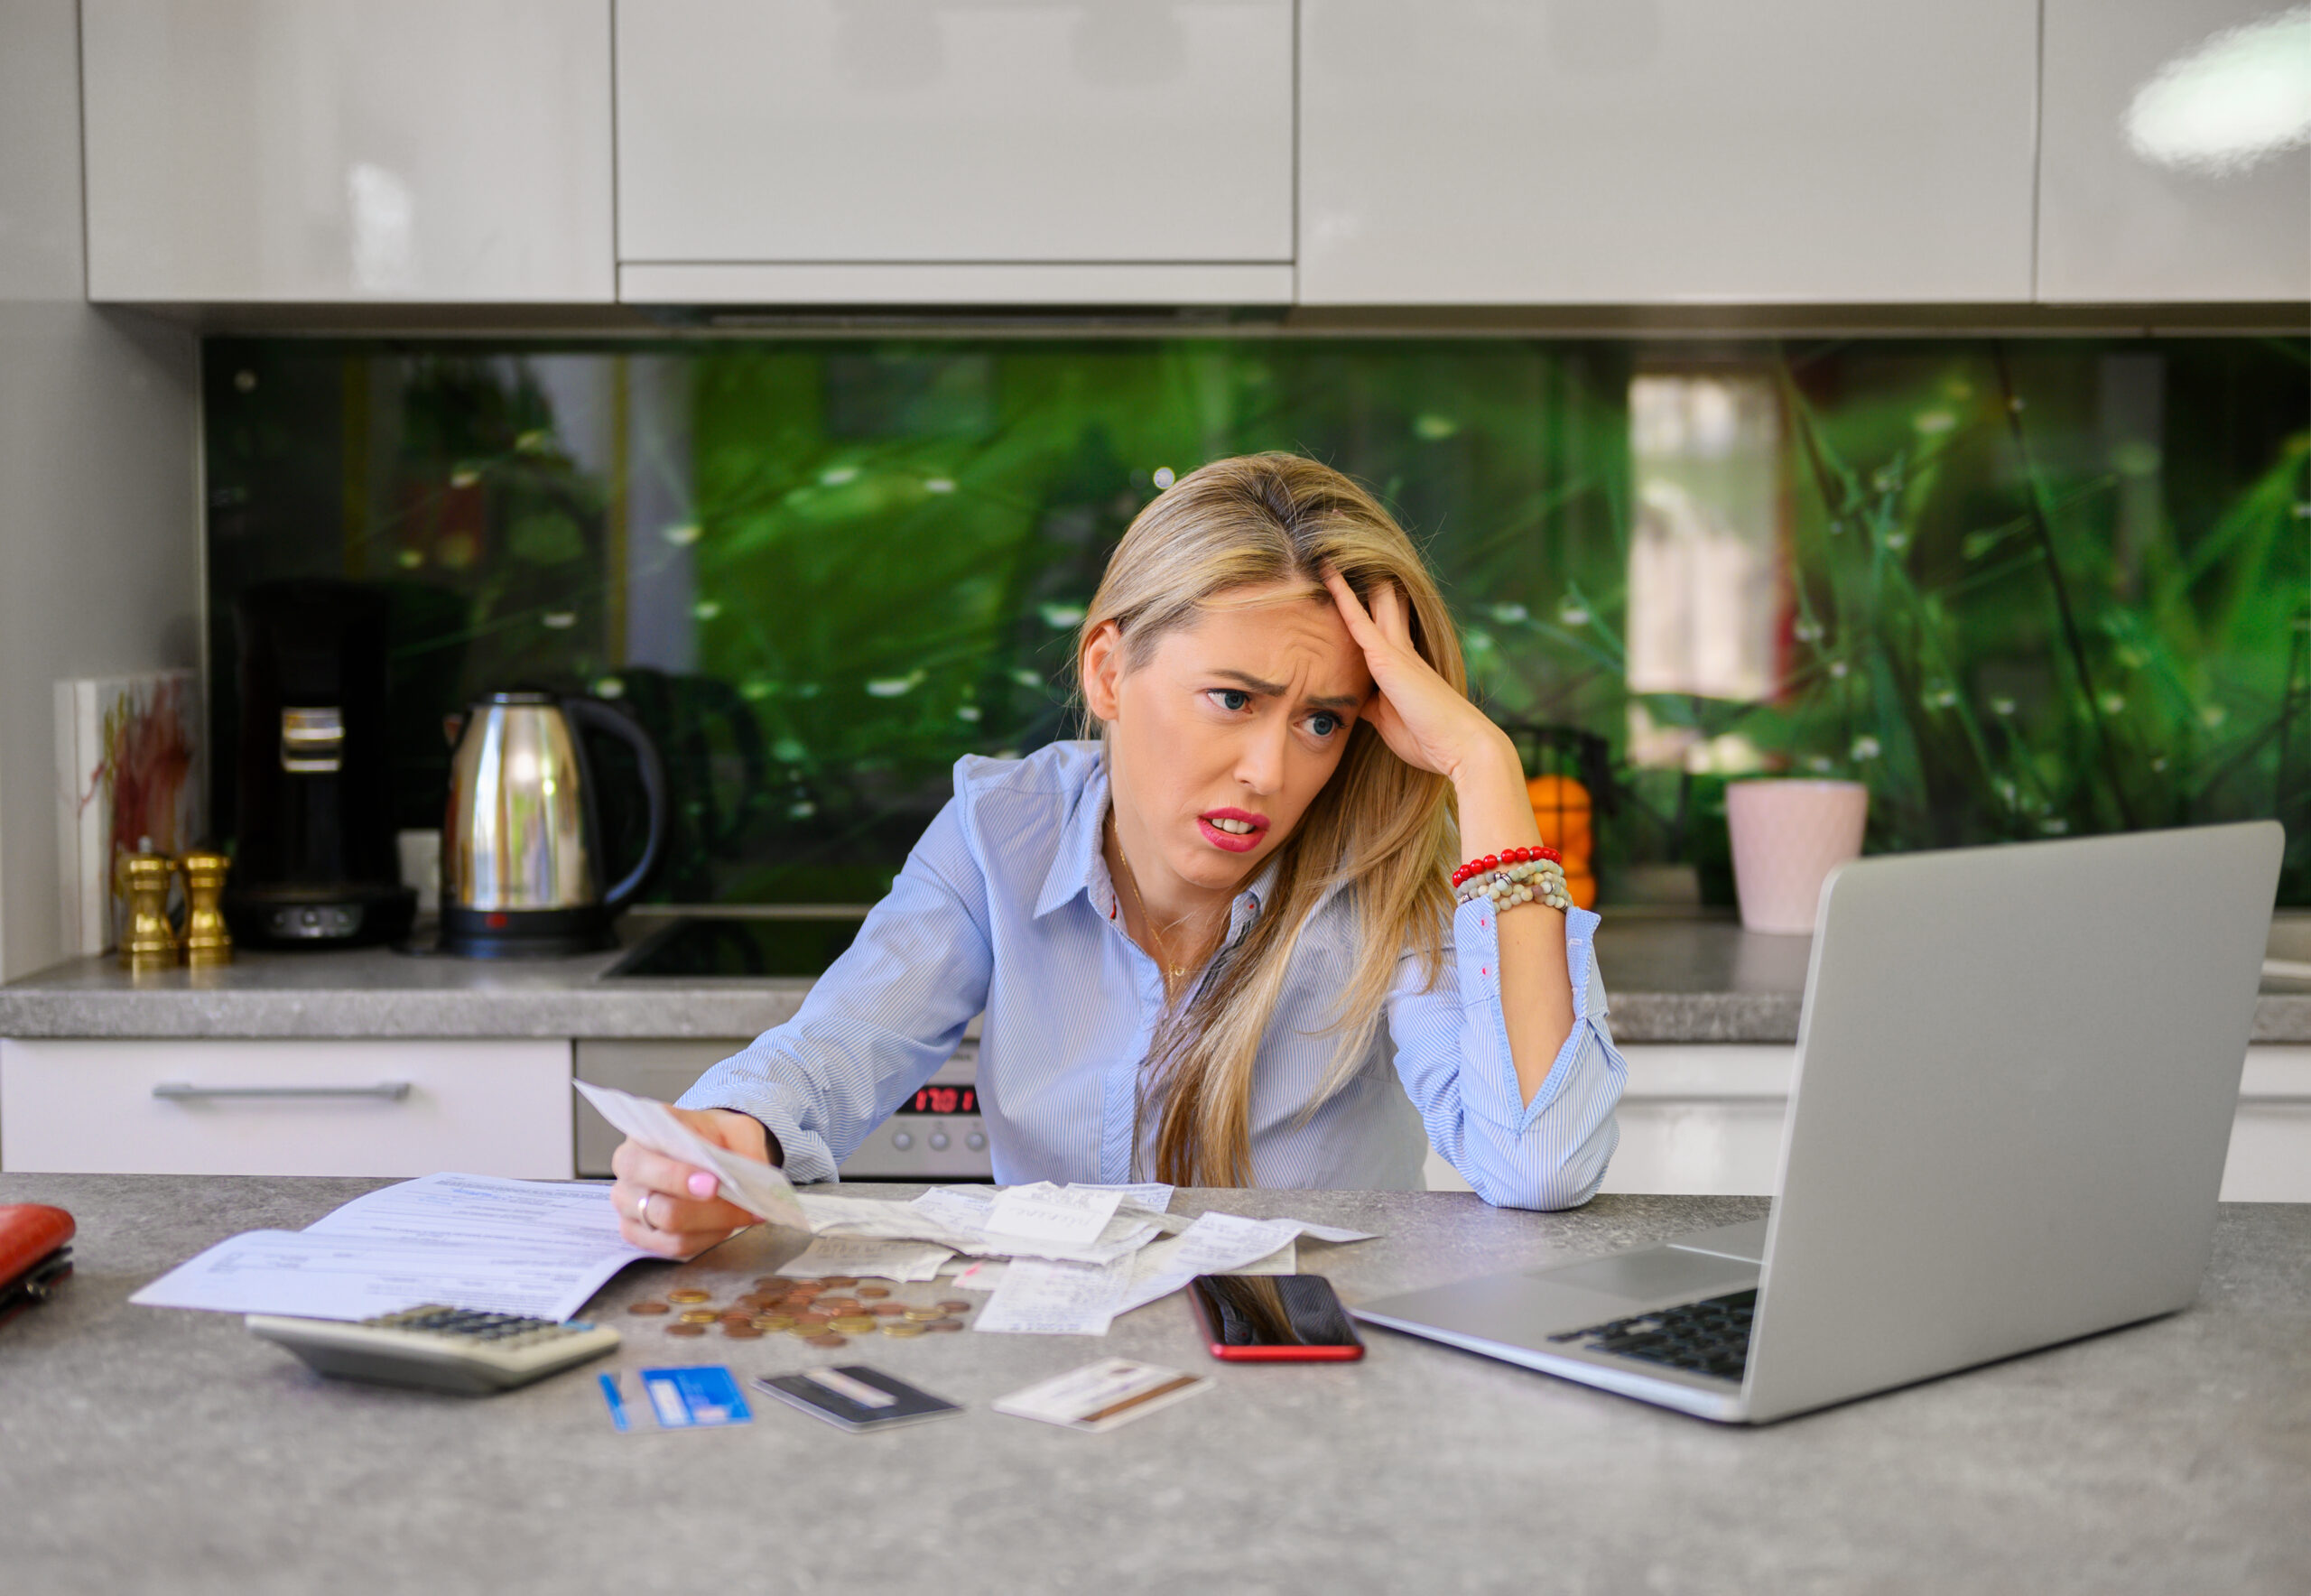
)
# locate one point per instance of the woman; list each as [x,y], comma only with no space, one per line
[1206,941]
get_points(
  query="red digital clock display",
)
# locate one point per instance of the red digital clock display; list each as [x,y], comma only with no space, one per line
[943,1099]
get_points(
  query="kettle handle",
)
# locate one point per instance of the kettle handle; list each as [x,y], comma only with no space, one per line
[592,714]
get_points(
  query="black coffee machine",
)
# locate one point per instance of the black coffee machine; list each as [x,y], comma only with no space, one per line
[314,863]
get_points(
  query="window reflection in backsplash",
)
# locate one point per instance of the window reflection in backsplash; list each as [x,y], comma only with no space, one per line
[2022,588]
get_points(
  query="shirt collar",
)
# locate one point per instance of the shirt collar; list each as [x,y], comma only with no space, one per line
[1080,867]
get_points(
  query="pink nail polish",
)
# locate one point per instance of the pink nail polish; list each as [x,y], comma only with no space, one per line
[702,1185]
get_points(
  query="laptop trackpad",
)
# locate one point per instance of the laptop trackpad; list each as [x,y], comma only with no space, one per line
[1654,1274]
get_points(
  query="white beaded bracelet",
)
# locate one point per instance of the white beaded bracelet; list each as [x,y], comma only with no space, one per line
[1538,881]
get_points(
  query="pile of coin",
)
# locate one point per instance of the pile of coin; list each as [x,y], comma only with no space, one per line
[823,1313]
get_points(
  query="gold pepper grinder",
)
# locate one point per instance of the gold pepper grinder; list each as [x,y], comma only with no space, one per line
[207,942]
[149,942]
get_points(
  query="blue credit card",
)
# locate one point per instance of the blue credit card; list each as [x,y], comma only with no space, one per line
[696,1398]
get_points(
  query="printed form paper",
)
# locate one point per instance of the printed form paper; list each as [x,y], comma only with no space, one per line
[761,1189]
[537,1248]
[461,1209]
[330,1276]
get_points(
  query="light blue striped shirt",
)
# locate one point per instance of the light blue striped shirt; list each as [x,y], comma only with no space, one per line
[1006,905]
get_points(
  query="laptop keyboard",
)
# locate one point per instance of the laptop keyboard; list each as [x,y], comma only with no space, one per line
[1708,1337]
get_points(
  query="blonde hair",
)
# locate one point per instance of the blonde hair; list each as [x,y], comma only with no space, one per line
[1379,827]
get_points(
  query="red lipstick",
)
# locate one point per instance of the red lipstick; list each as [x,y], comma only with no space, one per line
[1238,841]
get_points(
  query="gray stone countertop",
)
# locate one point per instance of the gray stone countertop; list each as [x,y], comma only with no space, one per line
[150,1450]
[1671,978]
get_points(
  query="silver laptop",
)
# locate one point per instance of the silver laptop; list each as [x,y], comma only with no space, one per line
[2016,1071]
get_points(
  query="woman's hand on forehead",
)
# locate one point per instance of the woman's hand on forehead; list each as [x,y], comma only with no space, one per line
[1425,721]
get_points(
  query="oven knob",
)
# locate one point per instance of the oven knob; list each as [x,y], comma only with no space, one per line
[938,1141]
[975,1142]
[901,1141]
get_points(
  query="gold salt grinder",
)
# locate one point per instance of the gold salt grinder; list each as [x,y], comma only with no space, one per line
[207,942]
[149,942]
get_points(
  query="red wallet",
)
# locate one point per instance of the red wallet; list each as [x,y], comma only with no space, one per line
[35,1253]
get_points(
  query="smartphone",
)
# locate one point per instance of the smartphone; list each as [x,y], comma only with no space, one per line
[1273,1318]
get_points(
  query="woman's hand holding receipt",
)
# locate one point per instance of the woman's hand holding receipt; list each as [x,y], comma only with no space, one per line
[674,1208]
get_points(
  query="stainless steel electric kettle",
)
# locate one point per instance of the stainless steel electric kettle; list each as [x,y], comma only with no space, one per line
[522,846]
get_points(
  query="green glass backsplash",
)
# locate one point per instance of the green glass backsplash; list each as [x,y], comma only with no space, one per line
[2022,589]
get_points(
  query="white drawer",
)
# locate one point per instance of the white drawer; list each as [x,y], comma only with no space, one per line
[1708,1119]
[286,1108]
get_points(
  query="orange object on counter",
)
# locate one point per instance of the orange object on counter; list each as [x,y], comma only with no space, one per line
[1563,809]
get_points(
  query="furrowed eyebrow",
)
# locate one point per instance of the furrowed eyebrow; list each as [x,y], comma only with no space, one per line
[1347,700]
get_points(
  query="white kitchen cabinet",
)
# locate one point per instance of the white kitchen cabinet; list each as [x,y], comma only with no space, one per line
[1707,1119]
[2165,173]
[219,1106]
[348,150]
[1664,152]
[802,151]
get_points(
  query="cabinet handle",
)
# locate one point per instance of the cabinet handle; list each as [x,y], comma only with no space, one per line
[178,1091]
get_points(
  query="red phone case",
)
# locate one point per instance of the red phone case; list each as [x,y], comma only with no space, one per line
[1230,1352]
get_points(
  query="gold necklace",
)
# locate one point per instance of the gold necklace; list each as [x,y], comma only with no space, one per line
[1179,972]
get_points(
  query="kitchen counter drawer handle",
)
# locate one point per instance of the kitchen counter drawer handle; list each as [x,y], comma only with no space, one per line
[178,1091]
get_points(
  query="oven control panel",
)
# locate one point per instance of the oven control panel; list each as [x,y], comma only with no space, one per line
[936,1136]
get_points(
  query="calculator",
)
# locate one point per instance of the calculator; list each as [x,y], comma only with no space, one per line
[461,1349]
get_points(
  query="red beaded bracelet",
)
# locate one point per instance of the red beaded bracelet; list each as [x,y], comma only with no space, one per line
[1513,855]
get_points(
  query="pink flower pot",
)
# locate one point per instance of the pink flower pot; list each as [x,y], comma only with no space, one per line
[1787,837]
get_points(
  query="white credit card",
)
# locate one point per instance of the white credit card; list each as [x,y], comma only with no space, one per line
[1101,1396]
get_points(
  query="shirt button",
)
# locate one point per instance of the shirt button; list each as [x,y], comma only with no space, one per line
[901,1141]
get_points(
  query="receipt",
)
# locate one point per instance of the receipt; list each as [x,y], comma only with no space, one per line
[1154,1196]
[760,1189]
[1333,1233]
[866,1255]
[1037,1297]
[1045,1212]
[961,1217]
[1214,1245]
[979,1273]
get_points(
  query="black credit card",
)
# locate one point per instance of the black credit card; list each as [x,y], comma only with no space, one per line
[856,1397]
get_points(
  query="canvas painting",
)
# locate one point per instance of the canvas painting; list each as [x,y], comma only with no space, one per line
[128,771]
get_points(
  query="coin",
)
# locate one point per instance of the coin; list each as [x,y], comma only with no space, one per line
[853,1326]
[954,1305]
[774,1322]
[679,1329]
[806,1329]
[742,1331]
[887,1308]
[921,1315]
[699,1315]
[839,1305]
[828,1341]
[772,1283]
[651,1306]
[874,1291]
[688,1294]
[901,1328]
[842,1280]
[943,1326]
